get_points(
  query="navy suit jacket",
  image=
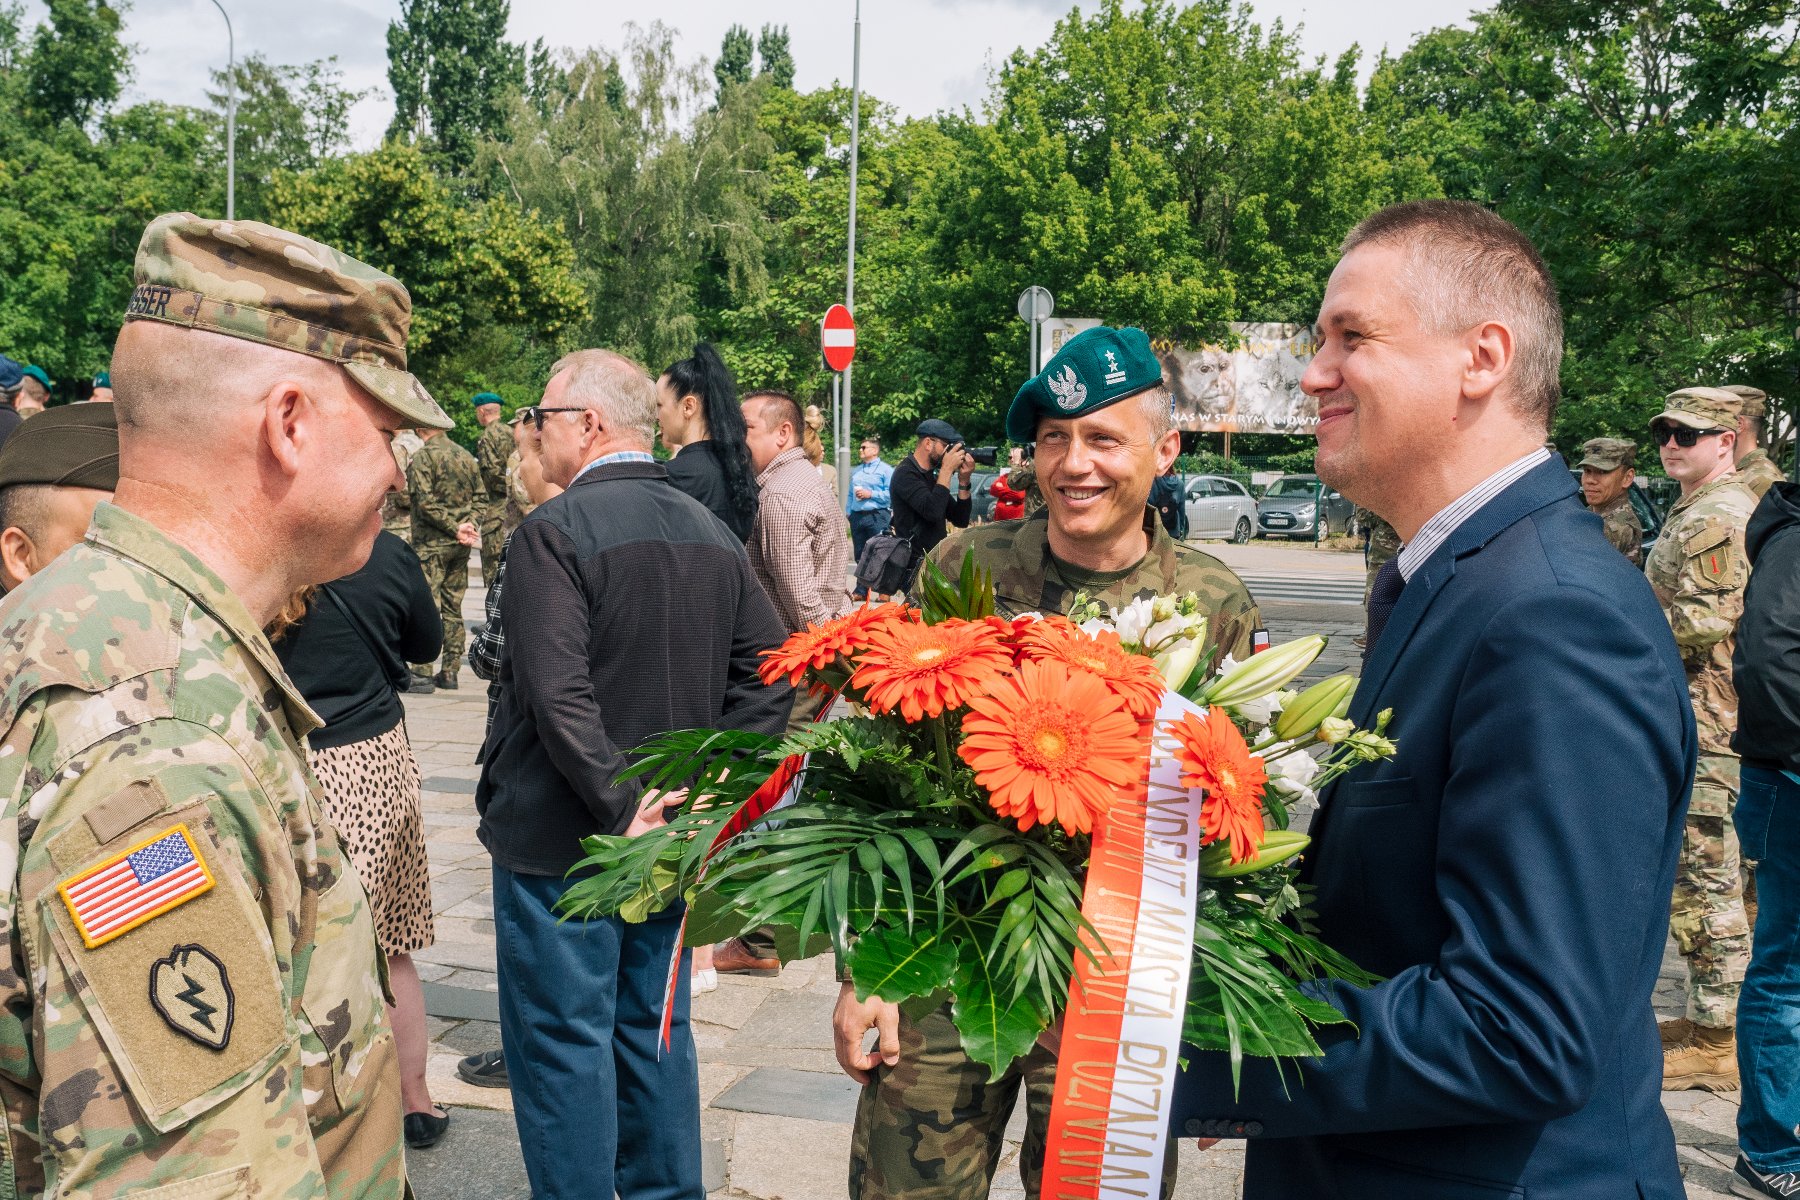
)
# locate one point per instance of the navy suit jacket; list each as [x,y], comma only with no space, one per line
[1507,874]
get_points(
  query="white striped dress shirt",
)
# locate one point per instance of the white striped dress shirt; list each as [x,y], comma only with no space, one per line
[1437,531]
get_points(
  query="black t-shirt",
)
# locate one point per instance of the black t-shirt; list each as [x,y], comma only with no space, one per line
[699,470]
[923,508]
[353,674]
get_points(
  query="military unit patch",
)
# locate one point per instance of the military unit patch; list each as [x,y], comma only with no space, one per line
[128,889]
[192,992]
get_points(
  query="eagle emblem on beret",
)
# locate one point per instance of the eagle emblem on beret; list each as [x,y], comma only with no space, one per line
[1070,392]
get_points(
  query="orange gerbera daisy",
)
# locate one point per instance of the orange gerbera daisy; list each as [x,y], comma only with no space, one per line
[1052,744]
[818,646]
[1214,756]
[1131,677]
[924,669]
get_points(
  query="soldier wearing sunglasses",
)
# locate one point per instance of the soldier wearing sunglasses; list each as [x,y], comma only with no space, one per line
[1699,569]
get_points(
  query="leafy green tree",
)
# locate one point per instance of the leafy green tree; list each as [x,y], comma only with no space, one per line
[451,69]
[735,53]
[78,62]
[776,57]
[494,290]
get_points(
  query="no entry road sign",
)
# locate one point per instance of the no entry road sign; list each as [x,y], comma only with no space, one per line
[837,337]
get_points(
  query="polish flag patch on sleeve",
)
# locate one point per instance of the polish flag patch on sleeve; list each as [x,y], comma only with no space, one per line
[139,885]
[1259,641]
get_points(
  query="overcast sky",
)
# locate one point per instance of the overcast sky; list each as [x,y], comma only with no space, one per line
[921,55]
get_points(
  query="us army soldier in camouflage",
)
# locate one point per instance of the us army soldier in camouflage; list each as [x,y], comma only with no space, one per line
[190,1002]
[1698,570]
[929,1122]
[1756,470]
[492,450]
[1608,466]
[1382,546]
[445,485]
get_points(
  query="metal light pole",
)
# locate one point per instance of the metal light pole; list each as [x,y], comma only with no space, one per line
[230,115]
[843,407]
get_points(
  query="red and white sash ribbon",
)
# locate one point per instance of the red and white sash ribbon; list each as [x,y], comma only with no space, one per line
[1121,1035]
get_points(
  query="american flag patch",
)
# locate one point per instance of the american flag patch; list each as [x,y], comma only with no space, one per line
[146,881]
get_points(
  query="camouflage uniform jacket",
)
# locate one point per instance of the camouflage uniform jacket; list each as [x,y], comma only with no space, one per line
[1698,570]
[491,452]
[1756,471]
[518,500]
[1384,543]
[1619,522]
[1028,578]
[396,509]
[445,483]
[1023,478]
[216,1039]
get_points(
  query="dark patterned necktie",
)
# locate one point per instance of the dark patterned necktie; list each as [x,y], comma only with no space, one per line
[1383,596]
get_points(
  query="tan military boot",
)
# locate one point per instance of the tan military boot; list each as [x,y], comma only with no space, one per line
[1707,1060]
[1675,1032]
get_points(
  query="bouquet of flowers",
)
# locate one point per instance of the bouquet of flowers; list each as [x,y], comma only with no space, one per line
[941,836]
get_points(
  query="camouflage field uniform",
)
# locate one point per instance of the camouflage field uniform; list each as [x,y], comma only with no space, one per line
[491,452]
[518,500]
[445,484]
[934,1125]
[1023,478]
[237,1043]
[1698,570]
[396,509]
[1384,544]
[1619,522]
[1757,471]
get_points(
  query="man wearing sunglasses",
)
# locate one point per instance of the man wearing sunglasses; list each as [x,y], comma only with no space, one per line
[1698,570]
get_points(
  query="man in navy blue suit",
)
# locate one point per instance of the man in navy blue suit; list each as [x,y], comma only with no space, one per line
[1508,872]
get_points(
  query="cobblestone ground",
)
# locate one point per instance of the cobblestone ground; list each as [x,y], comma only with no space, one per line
[776,1121]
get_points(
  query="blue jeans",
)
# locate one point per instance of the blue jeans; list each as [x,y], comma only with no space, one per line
[599,1109]
[1768,1016]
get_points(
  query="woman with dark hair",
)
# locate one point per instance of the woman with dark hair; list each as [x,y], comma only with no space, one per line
[703,425]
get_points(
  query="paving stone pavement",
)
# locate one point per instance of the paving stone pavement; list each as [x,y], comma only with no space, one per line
[776,1109]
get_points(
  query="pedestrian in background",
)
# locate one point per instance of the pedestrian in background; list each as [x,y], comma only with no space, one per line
[925,504]
[34,392]
[1168,496]
[492,449]
[869,506]
[1607,469]
[103,389]
[1766,671]
[12,381]
[630,612]
[1009,502]
[345,644]
[1756,470]
[1698,569]
[444,486]
[53,473]
[702,425]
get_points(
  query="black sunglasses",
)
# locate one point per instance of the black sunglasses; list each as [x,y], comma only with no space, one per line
[537,412]
[1685,438]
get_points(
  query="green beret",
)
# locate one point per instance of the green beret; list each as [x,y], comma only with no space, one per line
[1095,368]
[37,373]
[76,445]
[482,398]
[103,379]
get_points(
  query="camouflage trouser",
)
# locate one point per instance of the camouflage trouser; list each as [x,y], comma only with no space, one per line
[933,1127]
[1706,913]
[493,537]
[447,572]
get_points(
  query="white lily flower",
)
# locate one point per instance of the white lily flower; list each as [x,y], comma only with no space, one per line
[1261,711]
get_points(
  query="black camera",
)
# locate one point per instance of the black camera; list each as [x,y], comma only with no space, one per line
[985,456]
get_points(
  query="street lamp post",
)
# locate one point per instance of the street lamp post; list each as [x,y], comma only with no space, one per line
[230,115]
[841,430]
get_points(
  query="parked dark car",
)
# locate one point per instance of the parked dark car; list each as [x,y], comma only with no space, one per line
[981,500]
[1292,508]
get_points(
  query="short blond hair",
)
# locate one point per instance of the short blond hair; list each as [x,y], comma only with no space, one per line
[1466,265]
[616,387]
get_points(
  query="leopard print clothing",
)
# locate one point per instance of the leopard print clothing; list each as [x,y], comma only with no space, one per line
[372,796]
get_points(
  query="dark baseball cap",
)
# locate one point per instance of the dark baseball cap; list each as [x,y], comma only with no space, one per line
[931,427]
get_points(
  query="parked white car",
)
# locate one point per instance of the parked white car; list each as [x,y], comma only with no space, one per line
[1218,507]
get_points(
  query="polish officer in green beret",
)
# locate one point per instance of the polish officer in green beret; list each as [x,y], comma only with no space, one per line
[1608,466]
[53,473]
[930,1122]
[192,1002]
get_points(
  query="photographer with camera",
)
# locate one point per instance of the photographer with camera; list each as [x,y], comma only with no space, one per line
[924,505]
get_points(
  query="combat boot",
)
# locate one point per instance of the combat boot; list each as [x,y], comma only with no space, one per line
[446,680]
[1707,1060]
[1675,1032]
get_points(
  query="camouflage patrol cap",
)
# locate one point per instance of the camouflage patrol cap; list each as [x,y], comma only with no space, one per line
[1095,368]
[76,445]
[249,280]
[1607,454]
[1700,408]
[1756,401]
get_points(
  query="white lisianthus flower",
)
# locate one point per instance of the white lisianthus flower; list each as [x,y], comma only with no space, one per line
[1165,631]
[1333,730]
[1261,711]
[1227,667]
[1094,626]
[1292,774]
[1133,621]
